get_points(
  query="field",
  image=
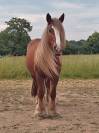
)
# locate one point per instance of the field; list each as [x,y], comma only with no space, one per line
[74,66]
[77,103]
[77,97]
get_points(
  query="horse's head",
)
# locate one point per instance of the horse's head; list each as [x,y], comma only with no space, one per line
[51,36]
[55,31]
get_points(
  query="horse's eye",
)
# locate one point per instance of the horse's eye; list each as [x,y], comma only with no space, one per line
[51,30]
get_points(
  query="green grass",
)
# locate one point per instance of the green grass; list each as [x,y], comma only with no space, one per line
[13,68]
[80,66]
[74,66]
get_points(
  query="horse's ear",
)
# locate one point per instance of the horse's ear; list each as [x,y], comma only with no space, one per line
[48,18]
[61,18]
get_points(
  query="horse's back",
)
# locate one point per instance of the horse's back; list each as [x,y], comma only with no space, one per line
[31,49]
[33,44]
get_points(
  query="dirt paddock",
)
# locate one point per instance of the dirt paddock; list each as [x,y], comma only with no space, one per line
[77,103]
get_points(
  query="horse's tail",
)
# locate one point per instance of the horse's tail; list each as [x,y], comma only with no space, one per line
[34,89]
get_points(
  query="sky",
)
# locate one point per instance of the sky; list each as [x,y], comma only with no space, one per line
[81,16]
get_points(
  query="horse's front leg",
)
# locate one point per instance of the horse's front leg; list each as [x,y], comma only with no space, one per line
[40,107]
[52,104]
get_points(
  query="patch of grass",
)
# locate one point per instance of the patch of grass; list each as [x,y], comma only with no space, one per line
[13,68]
[73,66]
[80,66]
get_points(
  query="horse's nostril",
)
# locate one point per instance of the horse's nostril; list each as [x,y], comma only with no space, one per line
[55,47]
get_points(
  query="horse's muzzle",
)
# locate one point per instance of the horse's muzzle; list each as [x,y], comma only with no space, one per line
[58,51]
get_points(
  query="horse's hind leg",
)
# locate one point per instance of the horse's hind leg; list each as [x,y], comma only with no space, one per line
[40,107]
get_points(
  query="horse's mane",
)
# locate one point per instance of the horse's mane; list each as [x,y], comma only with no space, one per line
[44,56]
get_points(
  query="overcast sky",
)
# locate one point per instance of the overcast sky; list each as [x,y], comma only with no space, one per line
[81,16]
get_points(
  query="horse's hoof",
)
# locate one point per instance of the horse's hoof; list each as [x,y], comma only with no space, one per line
[39,114]
[53,114]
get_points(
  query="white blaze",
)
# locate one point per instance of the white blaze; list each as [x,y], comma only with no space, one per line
[57,34]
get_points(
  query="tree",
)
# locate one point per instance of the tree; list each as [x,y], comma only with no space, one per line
[4,43]
[18,35]
[89,46]
[93,43]
[74,47]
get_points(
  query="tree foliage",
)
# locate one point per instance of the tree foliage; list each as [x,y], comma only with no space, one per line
[14,39]
[89,46]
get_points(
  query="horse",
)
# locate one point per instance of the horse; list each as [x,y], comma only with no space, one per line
[43,60]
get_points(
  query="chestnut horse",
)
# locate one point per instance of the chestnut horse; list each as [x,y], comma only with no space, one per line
[44,63]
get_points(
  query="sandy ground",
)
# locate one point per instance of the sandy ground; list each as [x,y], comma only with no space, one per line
[77,102]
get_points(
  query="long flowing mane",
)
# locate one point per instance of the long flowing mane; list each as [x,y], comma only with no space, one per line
[44,56]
